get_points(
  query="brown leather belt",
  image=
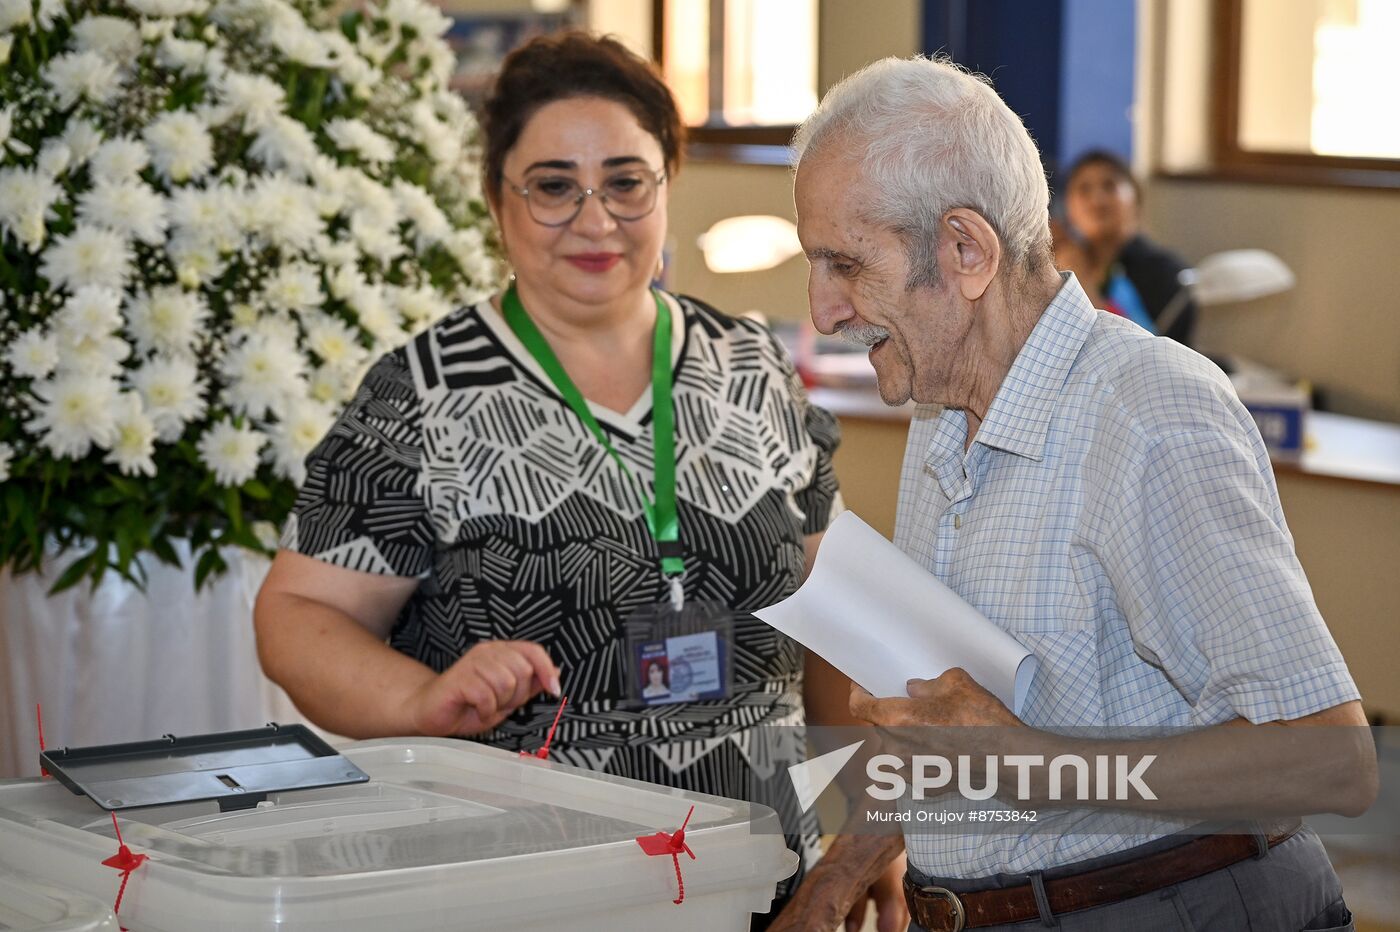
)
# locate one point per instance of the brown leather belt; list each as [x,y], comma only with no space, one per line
[938,909]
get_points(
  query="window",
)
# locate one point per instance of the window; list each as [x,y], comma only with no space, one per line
[743,71]
[1306,90]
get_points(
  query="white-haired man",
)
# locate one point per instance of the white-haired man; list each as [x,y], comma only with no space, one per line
[1099,493]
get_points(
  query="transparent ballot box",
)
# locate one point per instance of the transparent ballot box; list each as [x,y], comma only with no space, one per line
[442,835]
[29,905]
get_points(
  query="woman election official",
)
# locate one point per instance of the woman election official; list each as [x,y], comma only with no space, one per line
[571,486]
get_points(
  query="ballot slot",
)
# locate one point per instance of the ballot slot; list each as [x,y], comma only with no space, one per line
[236,769]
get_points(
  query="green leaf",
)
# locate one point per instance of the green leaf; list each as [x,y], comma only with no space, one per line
[233,506]
[209,562]
[126,548]
[164,552]
[255,489]
[75,572]
[126,486]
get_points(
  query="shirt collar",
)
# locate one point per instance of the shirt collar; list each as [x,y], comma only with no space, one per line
[1019,417]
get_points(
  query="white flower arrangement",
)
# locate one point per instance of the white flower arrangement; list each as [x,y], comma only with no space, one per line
[214,214]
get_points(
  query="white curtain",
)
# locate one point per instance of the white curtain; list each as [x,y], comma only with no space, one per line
[119,664]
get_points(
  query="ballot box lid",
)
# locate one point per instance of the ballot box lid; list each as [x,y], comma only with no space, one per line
[440,826]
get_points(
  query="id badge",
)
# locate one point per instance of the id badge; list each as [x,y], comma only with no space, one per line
[683,656]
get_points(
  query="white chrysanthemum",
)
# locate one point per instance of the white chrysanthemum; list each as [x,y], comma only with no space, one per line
[183,55]
[54,158]
[278,329]
[376,240]
[231,452]
[216,58]
[130,208]
[422,211]
[74,411]
[345,281]
[468,247]
[153,30]
[168,8]
[196,261]
[299,428]
[85,328]
[375,48]
[50,11]
[7,455]
[208,215]
[76,76]
[421,305]
[87,256]
[284,144]
[295,287]
[7,124]
[26,196]
[371,306]
[335,342]
[356,137]
[262,373]
[282,211]
[134,438]
[336,252]
[372,200]
[328,385]
[109,36]
[255,97]
[303,46]
[442,143]
[166,318]
[181,147]
[330,184]
[95,355]
[91,311]
[244,316]
[120,159]
[33,354]
[441,62]
[15,13]
[173,395]
[82,137]
[351,67]
[423,19]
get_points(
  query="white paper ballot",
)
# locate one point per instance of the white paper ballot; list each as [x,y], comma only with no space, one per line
[881,619]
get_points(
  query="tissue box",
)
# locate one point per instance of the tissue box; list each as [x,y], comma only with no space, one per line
[1280,411]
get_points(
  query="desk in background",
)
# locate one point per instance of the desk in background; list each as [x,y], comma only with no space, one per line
[1341,499]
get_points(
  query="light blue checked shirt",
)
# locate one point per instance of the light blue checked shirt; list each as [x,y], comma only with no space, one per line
[1117,514]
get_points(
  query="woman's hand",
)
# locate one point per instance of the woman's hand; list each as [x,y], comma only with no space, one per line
[486,684]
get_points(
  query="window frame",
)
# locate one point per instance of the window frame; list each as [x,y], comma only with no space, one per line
[749,144]
[1300,168]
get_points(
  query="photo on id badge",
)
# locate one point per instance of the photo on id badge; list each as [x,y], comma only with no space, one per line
[682,668]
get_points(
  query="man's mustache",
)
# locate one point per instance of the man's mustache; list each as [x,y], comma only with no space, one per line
[862,334]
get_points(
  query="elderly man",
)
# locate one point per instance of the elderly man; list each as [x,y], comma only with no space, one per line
[1101,495]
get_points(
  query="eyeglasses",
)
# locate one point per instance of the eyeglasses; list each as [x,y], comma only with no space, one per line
[555,200]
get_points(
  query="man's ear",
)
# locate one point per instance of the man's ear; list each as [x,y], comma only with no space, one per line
[969,252]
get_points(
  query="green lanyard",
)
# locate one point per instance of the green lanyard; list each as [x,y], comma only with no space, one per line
[661,515]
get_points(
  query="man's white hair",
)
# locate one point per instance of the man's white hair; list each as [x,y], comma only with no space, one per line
[931,137]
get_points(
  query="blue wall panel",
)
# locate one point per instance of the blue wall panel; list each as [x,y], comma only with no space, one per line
[1066,66]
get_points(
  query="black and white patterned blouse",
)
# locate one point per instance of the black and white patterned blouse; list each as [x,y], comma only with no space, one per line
[458,463]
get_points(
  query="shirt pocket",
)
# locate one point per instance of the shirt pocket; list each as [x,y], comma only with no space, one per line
[1052,594]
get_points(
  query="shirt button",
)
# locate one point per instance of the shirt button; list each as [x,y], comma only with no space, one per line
[957,522]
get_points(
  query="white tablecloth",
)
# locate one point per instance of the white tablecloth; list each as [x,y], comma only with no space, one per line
[118,664]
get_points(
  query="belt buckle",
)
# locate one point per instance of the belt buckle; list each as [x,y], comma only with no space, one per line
[959,913]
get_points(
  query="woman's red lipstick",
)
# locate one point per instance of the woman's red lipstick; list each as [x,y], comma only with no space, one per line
[595,261]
